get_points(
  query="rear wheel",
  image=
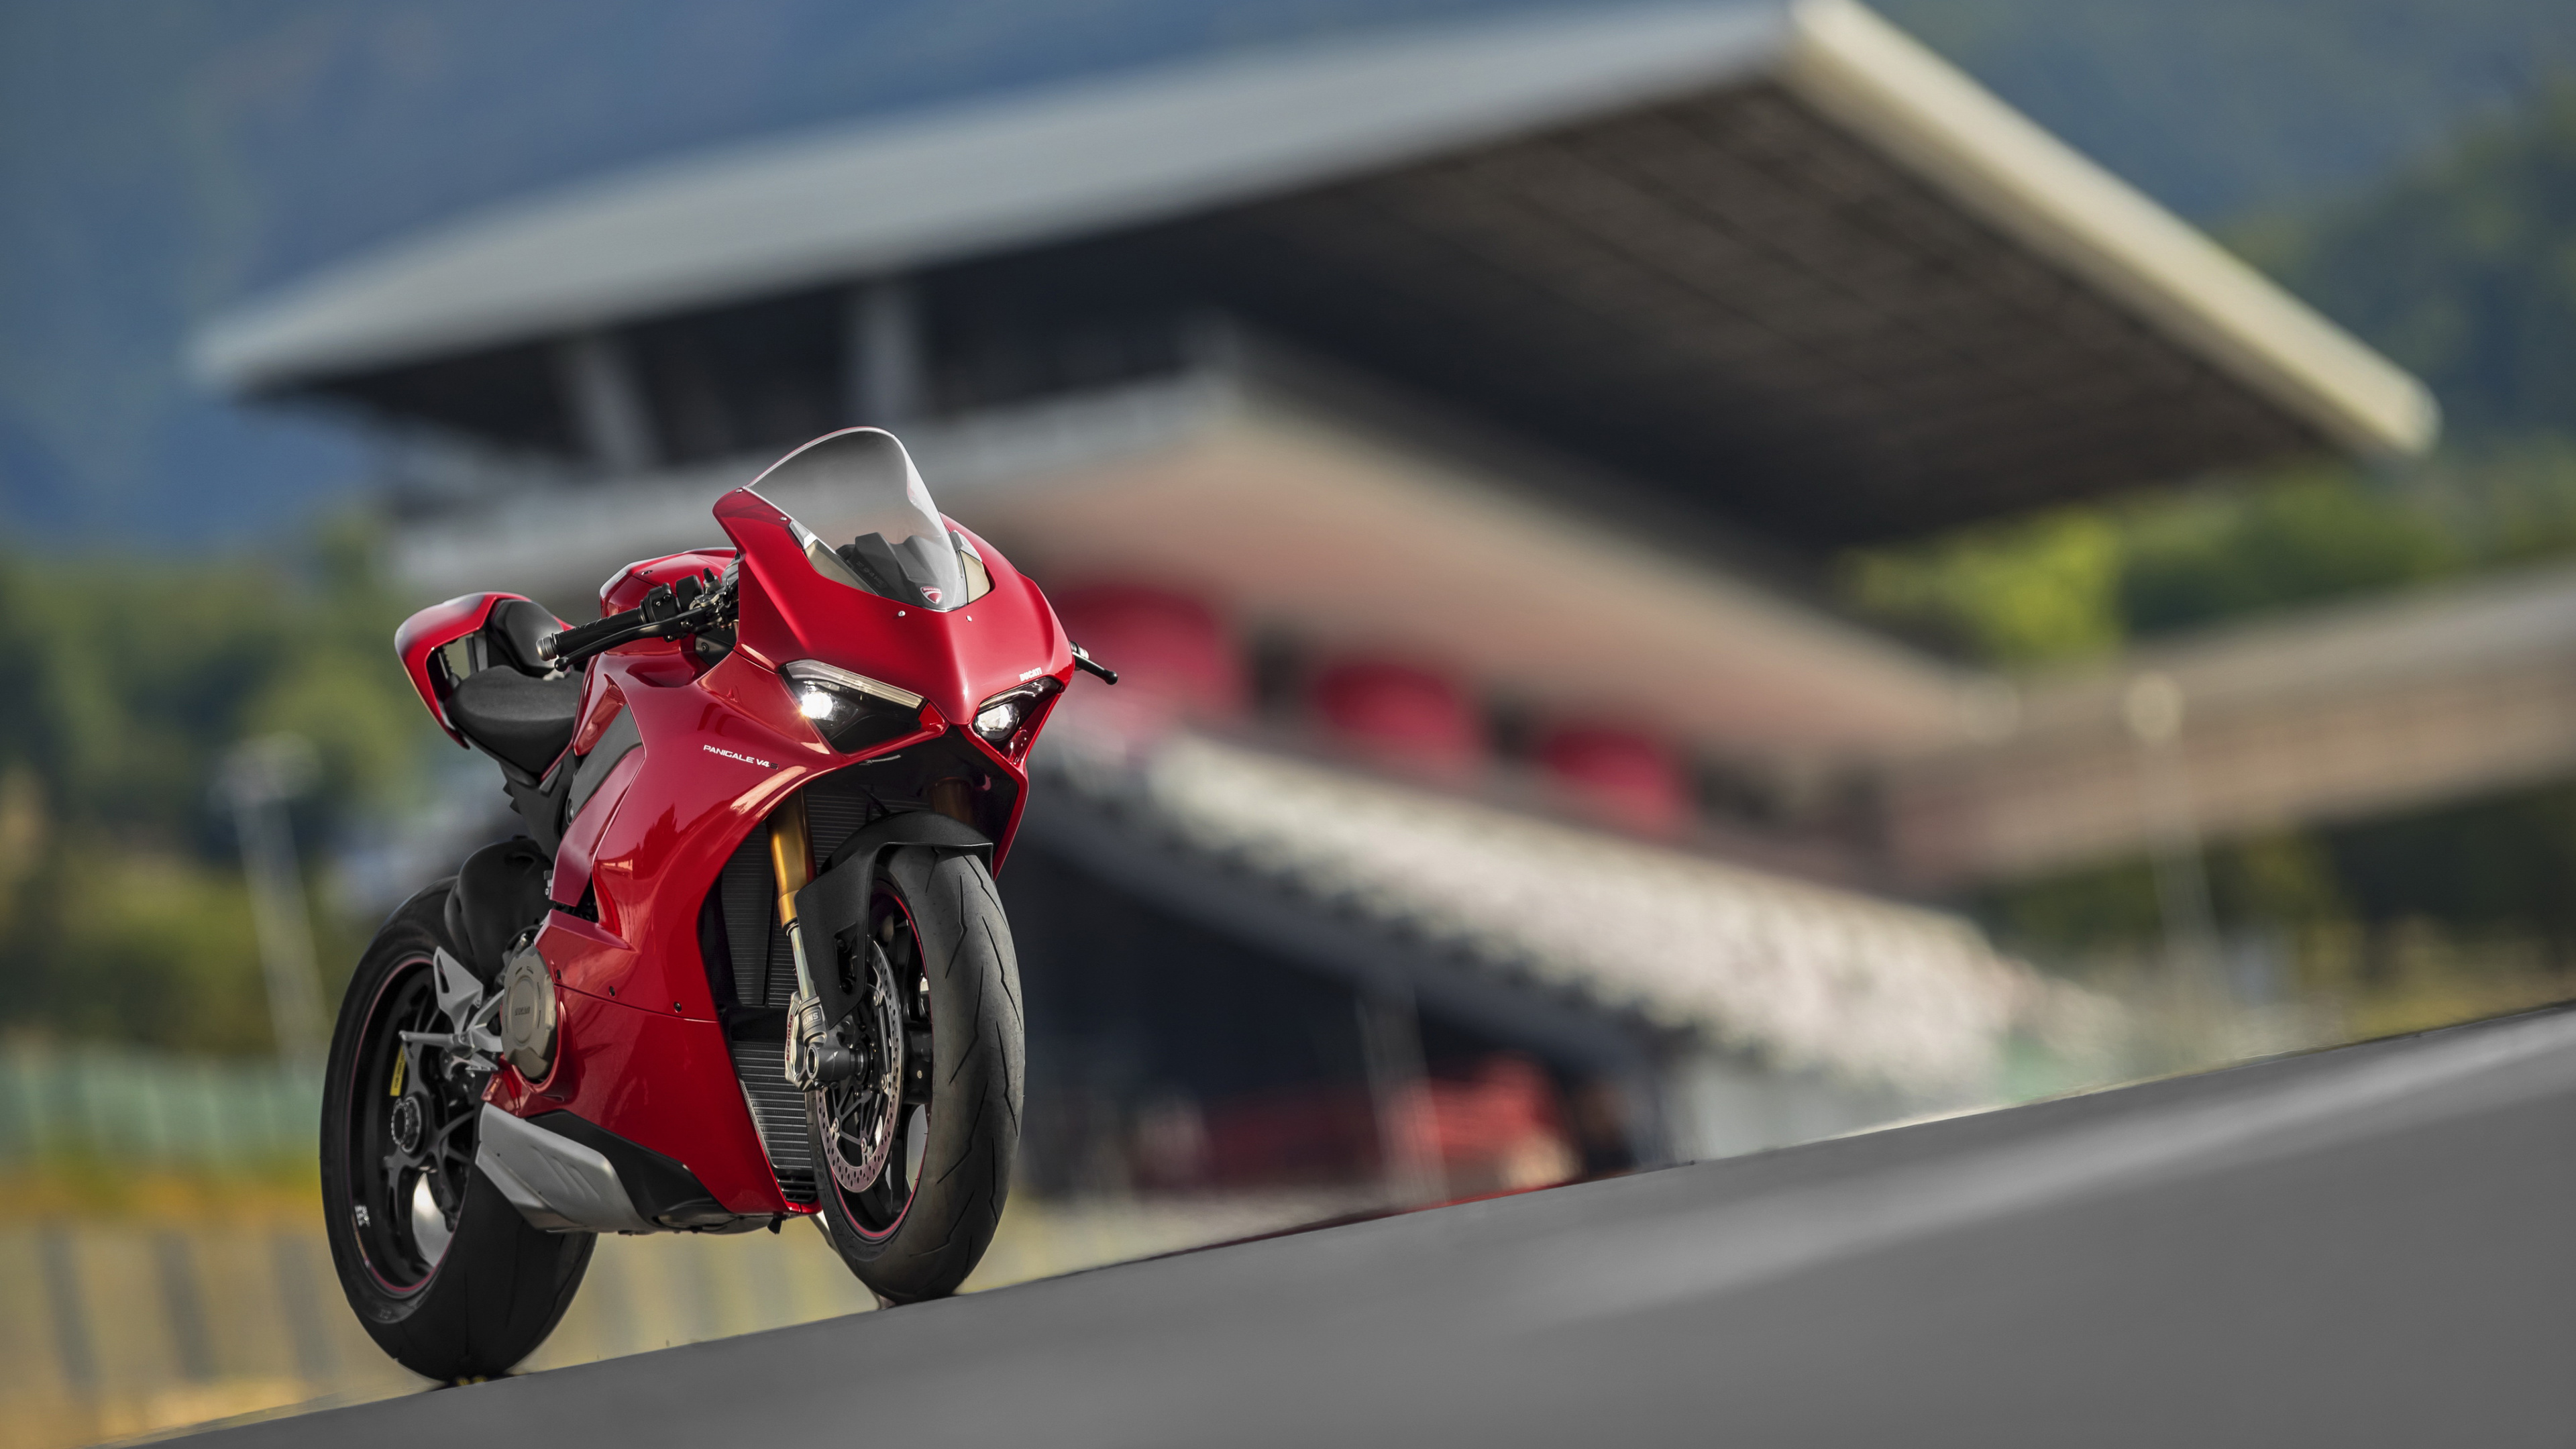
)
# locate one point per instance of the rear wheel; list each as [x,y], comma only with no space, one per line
[444,1273]
[915,1150]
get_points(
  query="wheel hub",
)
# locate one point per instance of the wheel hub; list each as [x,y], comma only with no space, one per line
[413,1121]
[405,1126]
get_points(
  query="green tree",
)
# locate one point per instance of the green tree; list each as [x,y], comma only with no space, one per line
[2463,268]
[122,906]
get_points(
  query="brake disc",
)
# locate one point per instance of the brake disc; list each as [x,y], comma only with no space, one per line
[866,1109]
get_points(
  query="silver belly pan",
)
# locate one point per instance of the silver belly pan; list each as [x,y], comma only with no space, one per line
[555,1183]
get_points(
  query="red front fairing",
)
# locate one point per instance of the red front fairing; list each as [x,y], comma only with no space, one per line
[956,659]
[642,1052]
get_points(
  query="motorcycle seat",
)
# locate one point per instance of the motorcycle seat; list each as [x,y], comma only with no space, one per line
[517,719]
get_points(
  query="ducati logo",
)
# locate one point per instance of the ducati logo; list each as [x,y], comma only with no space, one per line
[931,595]
[730,755]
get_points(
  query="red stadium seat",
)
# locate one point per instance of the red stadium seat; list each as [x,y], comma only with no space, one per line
[1621,775]
[1401,714]
[1175,659]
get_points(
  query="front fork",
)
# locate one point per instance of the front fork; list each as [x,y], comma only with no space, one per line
[814,1058]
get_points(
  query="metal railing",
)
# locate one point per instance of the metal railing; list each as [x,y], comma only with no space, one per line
[133,1104]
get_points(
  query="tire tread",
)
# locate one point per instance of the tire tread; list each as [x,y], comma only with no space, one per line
[966,1167]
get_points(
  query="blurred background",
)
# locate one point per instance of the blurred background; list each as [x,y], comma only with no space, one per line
[1690,578]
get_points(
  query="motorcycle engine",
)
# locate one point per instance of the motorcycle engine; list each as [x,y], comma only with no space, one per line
[528,1013]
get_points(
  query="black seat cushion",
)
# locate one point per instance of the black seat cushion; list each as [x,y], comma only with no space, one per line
[517,719]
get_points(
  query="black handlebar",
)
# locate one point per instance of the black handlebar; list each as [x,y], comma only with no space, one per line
[576,643]
[668,613]
[665,613]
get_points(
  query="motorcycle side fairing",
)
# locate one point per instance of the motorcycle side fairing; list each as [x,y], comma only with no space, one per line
[642,1050]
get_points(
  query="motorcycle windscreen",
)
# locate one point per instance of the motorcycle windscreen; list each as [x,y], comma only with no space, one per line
[860,484]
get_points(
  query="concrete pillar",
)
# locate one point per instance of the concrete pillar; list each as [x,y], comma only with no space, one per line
[885,354]
[1391,1050]
[611,420]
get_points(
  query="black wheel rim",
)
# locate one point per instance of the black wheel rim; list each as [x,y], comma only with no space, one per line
[855,1113]
[411,1133]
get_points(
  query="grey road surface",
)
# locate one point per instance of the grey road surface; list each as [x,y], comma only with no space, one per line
[2375,1245]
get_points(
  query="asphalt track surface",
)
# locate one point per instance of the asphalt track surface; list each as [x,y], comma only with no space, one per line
[2373,1245]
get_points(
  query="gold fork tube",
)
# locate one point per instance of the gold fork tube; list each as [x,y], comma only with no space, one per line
[791,855]
[791,860]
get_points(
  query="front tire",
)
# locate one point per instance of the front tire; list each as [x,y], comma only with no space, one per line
[913,1215]
[443,1272]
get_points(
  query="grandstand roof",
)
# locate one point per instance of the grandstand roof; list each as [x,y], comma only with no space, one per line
[1774,244]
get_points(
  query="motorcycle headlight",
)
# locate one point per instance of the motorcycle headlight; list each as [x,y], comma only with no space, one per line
[1002,719]
[851,711]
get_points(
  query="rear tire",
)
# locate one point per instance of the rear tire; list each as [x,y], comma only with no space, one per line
[916,1227]
[470,1306]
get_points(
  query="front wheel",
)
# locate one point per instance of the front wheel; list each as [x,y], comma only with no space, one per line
[442,1270]
[916,1148]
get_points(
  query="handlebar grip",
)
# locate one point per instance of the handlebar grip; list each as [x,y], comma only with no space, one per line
[572,642]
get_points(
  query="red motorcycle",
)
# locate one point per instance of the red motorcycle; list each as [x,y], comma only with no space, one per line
[747,963]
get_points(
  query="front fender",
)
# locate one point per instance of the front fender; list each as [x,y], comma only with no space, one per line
[835,903]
